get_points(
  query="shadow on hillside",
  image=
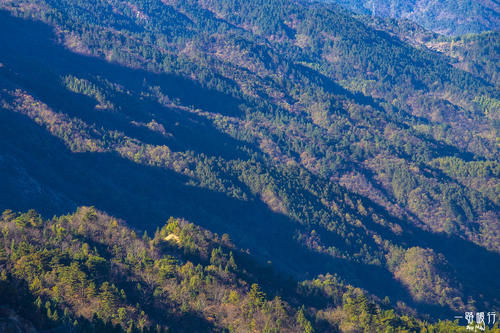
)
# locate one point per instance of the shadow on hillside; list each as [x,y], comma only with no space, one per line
[472,267]
[40,172]
[399,117]
[147,196]
[29,50]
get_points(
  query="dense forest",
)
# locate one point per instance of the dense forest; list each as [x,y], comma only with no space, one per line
[328,148]
[88,272]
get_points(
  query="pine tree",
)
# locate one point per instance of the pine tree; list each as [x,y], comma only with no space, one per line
[231,264]
[256,296]
[55,316]
[38,302]
[3,253]
[303,322]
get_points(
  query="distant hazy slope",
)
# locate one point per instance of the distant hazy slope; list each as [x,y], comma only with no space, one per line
[450,17]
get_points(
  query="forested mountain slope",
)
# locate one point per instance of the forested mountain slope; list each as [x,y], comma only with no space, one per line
[313,140]
[448,17]
[88,272]
[476,54]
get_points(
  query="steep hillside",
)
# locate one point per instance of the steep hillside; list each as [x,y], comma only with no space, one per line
[448,17]
[315,141]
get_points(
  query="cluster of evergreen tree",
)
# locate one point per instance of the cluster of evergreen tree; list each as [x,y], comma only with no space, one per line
[90,272]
